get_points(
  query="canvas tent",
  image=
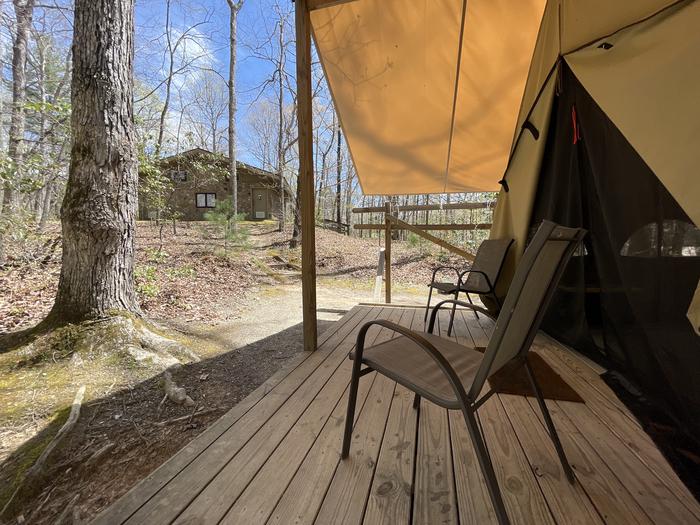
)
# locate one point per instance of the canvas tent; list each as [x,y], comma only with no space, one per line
[586,110]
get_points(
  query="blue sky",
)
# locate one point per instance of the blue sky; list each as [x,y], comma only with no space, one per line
[256,19]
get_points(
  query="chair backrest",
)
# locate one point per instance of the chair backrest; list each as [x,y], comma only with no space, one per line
[530,292]
[489,259]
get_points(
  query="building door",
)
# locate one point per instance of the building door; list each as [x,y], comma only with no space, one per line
[260,208]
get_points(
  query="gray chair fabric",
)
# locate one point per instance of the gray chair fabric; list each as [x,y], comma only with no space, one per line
[481,278]
[452,375]
[489,259]
[419,373]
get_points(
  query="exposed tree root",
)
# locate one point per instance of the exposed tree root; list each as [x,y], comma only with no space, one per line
[39,470]
[176,394]
[132,348]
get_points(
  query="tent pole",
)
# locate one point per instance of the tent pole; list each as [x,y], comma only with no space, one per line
[306,173]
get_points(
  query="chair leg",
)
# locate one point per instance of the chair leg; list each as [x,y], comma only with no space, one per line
[471,302]
[452,314]
[352,401]
[550,424]
[416,401]
[427,306]
[482,455]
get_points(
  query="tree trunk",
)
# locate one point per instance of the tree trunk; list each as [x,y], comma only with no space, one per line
[24,11]
[296,231]
[339,169]
[280,117]
[168,82]
[99,208]
[348,197]
[234,7]
[45,206]
[41,52]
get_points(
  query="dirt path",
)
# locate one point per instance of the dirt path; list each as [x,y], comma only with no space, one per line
[126,414]
[254,326]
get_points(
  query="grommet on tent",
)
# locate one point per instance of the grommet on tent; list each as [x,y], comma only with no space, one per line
[532,129]
[503,182]
[605,45]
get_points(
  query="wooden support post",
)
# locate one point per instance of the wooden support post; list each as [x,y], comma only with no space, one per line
[387,251]
[306,173]
[380,276]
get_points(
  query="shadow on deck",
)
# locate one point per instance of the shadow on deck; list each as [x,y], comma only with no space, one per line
[275,457]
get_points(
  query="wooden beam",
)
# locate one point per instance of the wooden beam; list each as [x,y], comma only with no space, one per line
[322,4]
[449,247]
[306,173]
[387,252]
[429,207]
[443,227]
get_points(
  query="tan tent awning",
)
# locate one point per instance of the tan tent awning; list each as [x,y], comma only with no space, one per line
[647,84]
[428,91]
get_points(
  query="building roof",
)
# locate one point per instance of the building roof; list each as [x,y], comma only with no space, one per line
[194,152]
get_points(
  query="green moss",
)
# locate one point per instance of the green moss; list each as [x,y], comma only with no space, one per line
[26,455]
[56,346]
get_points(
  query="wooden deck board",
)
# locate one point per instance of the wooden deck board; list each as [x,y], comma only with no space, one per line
[153,483]
[435,499]
[390,494]
[348,491]
[260,497]
[301,386]
[275,457]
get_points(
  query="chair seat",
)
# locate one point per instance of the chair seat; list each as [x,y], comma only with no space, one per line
[475,284]
[444,288]
[402,360]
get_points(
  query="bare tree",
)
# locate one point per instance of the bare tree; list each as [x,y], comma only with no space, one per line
[234,7]
[209,104]
[99,208]
[338,172]
[274,49]
[24,11]
[180,60]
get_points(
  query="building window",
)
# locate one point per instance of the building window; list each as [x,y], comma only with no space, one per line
[178,176]
[206,200]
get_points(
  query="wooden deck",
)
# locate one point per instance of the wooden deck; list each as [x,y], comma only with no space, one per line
[275,457]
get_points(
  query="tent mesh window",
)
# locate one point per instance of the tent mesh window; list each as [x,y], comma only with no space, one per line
[624,297]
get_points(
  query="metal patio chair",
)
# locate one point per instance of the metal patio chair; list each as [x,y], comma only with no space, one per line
[480,279]
[452,375]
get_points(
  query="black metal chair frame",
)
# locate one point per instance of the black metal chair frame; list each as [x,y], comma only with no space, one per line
[460,287]
[469,402]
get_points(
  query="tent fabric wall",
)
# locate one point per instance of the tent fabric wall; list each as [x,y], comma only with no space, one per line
[648,84]
[653,64]
[511,218]
[625,296]
[413,125]
[567,25]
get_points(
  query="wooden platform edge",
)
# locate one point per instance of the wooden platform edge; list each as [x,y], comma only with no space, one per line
[126,505]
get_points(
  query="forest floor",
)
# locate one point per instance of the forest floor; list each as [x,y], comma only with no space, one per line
[239,310]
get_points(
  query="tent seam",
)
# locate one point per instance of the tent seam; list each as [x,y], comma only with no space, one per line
[456,91]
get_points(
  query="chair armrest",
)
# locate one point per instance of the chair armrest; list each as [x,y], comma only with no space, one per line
[422,343]
[454,303]
[436,270]
[465,272]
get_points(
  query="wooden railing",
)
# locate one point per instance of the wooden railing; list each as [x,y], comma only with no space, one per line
[392,222]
